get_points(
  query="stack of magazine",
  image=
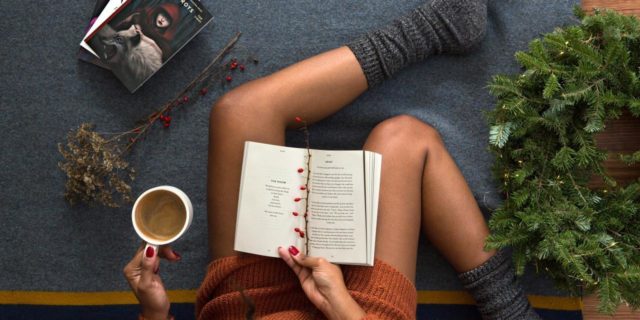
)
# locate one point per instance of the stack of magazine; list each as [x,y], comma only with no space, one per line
[135,38]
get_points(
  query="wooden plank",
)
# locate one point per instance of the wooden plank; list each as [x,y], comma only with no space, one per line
[622,135]
[626,7]
[590,311]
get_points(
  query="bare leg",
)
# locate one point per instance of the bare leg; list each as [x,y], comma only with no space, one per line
[260,111]
[313,89]
[451,218]
[420,182]
[400,191]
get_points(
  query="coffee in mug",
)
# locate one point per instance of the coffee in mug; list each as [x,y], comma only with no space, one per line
[161,215]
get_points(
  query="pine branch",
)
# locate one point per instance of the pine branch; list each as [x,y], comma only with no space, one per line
[499,134]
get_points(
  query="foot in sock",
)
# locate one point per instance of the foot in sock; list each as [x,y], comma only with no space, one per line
[439,26]
[497,293]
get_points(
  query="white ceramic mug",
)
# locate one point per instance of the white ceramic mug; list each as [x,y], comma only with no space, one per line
[156,192]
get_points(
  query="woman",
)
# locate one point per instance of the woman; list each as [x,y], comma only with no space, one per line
[420,186]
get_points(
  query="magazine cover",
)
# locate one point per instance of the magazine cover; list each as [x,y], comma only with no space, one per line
[142,35]
[101,11]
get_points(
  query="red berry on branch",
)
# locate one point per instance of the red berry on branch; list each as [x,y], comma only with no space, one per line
[295,214]
[203,91]
[303,188]
[228,78]
[298,119]
[234,65]
[301,234]
[297,199]
[296,229]
[167,124]
[167,118]
[162,117]
[300,170]
[242,67]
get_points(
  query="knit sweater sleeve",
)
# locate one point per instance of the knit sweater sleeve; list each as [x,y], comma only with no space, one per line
[383,292]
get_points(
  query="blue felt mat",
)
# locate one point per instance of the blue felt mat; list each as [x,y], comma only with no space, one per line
[44,92]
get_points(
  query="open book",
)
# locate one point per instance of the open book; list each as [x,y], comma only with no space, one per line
[326,206]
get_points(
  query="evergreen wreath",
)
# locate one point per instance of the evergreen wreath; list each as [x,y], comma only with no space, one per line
[574,79]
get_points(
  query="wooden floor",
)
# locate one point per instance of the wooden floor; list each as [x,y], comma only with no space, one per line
[622,135]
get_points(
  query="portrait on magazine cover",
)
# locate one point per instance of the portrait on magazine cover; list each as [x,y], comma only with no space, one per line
[144,34]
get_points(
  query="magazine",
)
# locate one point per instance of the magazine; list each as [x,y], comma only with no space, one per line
[102,10]
[142,35]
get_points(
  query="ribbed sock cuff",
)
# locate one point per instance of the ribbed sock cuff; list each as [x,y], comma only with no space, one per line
[368,58]
[495,288]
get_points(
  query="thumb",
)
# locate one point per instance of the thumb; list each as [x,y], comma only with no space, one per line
[150,263]
[306,261]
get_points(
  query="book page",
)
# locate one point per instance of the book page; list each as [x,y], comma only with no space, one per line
[373,170]
[269,184]
[337,219]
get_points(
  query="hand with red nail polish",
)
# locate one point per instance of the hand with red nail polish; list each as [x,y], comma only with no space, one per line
[145,282]
[323,283]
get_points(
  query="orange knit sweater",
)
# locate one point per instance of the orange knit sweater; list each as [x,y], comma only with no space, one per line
[382,291]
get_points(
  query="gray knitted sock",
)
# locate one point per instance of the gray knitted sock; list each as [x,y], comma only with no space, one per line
[497,293]
[440,26]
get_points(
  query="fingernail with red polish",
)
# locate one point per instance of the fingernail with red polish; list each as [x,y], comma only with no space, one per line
[177,254]
[150,252]
[293,250]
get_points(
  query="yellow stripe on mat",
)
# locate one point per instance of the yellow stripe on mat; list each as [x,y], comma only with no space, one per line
[85,298]
[462,297]
[189,296]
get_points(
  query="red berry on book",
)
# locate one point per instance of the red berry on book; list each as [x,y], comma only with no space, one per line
[296,229]
[185,99]
[242,67]
[301,233]
[295,214]
[297,199]
[300,170]
[298,119]
[228,78]
[303,188]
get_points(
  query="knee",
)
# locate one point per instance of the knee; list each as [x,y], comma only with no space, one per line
[405,133]
[229,108]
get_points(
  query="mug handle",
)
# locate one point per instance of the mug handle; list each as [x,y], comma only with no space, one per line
[155,248]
